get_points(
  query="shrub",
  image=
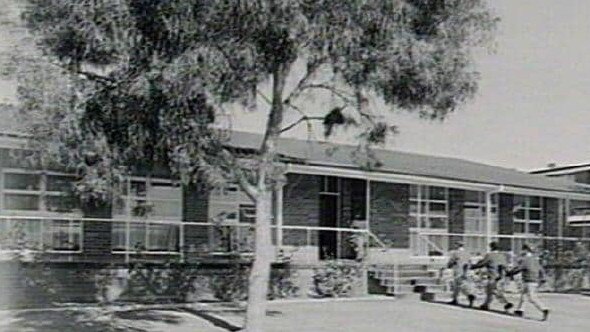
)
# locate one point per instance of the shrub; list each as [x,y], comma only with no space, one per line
[335,279]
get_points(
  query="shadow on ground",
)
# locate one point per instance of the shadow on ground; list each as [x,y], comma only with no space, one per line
[88,320]
[494,311]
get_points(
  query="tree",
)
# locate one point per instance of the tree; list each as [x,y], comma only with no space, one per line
[153,80]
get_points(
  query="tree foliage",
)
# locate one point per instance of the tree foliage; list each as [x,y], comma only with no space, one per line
[157,74]
[153,80]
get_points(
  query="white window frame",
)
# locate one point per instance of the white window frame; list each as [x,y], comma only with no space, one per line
[481,218]
[527,221]
[127,219]
[423,197]
[42,215]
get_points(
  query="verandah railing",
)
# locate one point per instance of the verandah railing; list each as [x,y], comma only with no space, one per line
[66,234]
[566,260]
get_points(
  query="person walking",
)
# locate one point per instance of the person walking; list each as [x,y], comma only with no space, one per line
[531,271]
[495,264]
[459,262]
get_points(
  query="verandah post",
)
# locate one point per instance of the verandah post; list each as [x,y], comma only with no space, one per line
[488,218]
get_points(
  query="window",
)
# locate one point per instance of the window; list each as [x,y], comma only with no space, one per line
[41,234]
[36,191]
[330,185]
[149,199]
[46,195]
[225,203]
[475,212]
[528,214]
[247,214]
[429,207]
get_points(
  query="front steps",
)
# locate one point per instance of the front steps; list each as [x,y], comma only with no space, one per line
[407,278]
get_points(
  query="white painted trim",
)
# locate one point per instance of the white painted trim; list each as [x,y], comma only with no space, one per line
[423,180]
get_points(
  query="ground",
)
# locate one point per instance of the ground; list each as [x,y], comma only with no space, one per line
[568,313]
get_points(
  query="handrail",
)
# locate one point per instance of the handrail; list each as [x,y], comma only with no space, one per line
[377,239]
[429,242]
[506,236]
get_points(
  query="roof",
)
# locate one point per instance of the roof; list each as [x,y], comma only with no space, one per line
[324,154]
[316,153]
[562,170]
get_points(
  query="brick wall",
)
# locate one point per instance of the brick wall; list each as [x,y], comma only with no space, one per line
[389,213]
[97,234]
[195,208]
[506,219]
[301,206]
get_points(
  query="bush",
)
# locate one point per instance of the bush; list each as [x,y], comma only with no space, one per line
[233,285]
[152,283]
[335,279]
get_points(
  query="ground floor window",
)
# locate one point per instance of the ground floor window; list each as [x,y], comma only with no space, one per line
[528,215]
[145,236]
[429,207]
[41,234]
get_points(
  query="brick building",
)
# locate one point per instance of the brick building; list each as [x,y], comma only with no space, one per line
[579,216]
[411,206]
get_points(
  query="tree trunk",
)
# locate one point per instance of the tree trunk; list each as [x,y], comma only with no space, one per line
[263,252]
[260,273]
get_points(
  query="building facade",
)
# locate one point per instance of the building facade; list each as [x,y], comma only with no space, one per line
[411,207]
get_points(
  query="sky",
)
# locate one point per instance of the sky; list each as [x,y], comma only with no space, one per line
[532,107]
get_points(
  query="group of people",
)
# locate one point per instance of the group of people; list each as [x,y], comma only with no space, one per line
[496,271]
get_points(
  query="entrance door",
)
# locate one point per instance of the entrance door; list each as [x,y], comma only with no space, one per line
[328,240]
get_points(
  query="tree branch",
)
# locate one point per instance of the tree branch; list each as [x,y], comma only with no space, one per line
[302,119]
[311,70]
[240,176]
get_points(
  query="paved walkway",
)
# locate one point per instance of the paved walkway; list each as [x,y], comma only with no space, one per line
[570,313]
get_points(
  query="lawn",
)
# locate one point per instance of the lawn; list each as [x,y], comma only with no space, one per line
[569,313]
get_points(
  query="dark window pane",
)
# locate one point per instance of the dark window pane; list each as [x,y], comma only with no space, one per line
[535,215]
[61,203]
[22,181]
[138,188]
[59,183]
[519,214]
[437,193]
[330,184]
[473,196]
[21,202]
[413,191]
[519,227]
[247,214]
[162,237]
[413,207]
[535,201]
[519,201]
[118,236]
[438,208]
[439,223]
[535,228]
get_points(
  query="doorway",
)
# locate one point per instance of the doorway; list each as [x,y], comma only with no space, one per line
[328,240]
